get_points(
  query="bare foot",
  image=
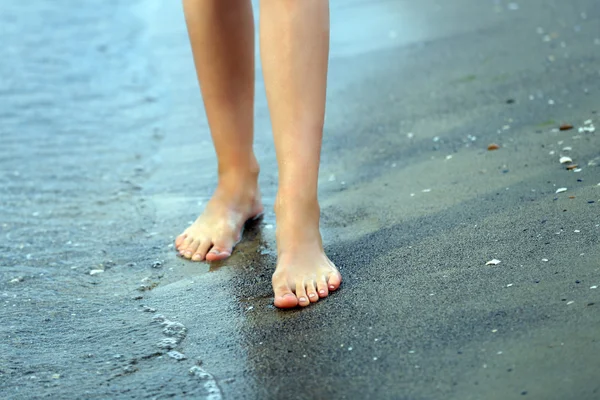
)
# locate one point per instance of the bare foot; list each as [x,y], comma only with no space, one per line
[219,228]
[304,274]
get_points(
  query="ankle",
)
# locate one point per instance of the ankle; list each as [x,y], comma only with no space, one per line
[239,168]
[239,175]
[297,221]
[295,205]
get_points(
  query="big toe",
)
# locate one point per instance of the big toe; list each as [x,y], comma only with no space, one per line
[284,298]
[218,253]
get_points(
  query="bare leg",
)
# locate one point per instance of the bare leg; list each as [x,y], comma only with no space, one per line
[294,38]
[222,37]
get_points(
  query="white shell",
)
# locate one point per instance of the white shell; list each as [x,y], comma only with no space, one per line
[96,271]
[493,262]
[560,190]
[565,160]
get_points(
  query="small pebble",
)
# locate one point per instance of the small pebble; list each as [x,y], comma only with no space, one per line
[566,127]
[493,262]
[561,190]
[594,287]
[509,285]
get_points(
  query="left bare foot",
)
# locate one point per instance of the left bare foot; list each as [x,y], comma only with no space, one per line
[303,273]
[218,229]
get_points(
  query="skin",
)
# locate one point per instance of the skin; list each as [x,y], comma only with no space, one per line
[294,39]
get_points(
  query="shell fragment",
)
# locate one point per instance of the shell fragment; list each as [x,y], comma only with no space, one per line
[565,160]
[493,262]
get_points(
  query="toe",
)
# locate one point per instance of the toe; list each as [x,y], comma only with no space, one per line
[301,295]
[179,240]
[284,298]
[184,244]
[311,291]
[201,251]
[334,281]
[191,249]
[219,251]
[322,287]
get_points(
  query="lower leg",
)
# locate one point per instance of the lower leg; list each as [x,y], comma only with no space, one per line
[294,51]
[222,37]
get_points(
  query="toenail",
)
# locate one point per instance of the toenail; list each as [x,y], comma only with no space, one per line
[196,256]
[331,287]
[322,291]
[312,295]
[302,299]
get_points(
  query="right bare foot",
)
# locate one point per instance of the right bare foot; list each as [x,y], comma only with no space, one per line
[219,228]
[304,274]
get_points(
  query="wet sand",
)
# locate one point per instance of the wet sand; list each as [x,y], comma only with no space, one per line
[105,156]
